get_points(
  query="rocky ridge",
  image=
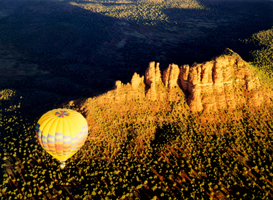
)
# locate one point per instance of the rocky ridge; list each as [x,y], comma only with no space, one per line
[224,82]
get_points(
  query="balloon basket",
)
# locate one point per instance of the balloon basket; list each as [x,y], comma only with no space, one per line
[62,164]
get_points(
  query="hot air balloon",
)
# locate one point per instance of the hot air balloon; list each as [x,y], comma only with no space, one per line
[62,132]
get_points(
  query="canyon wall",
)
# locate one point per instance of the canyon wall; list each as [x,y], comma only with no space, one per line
[224,82]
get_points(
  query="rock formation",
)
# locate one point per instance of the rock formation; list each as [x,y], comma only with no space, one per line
[171,76]
[224,82]
[152,79]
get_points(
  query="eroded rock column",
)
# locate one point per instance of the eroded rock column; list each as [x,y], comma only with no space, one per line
[184,76]
[153,80]
[194,99]
[217,74]
[207,91]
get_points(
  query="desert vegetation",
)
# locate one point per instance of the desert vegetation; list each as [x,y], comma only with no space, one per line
[263,56]
[146,12]
[157,152]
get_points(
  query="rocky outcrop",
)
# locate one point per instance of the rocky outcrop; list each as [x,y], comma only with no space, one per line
[153,74]
[171,76]
[136,81]
[224,82]
[152,80]
[184,73]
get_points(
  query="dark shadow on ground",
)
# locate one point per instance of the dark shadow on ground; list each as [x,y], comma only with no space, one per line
[81,54]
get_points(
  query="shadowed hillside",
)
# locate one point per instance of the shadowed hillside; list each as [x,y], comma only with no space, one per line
[83,52]
[181,131]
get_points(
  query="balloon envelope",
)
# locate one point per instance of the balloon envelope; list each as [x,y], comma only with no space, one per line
[62,132]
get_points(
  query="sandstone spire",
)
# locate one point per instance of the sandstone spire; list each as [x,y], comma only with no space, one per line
[150,74]
[153,80]
[194,99]
[170,76]
[135,81]
[184,75]
[207,88]
[153,74]
[158,79]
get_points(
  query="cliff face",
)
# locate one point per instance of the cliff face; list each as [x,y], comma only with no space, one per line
[224,82]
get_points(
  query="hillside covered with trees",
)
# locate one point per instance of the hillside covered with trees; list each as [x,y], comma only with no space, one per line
[57,51]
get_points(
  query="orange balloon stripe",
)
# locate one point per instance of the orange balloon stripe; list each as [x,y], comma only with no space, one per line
[51,146]
[53,152]
[67,148]
[59,147]
[65,152]
[62,146]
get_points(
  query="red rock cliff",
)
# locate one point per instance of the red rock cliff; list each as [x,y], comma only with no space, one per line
[224,82]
